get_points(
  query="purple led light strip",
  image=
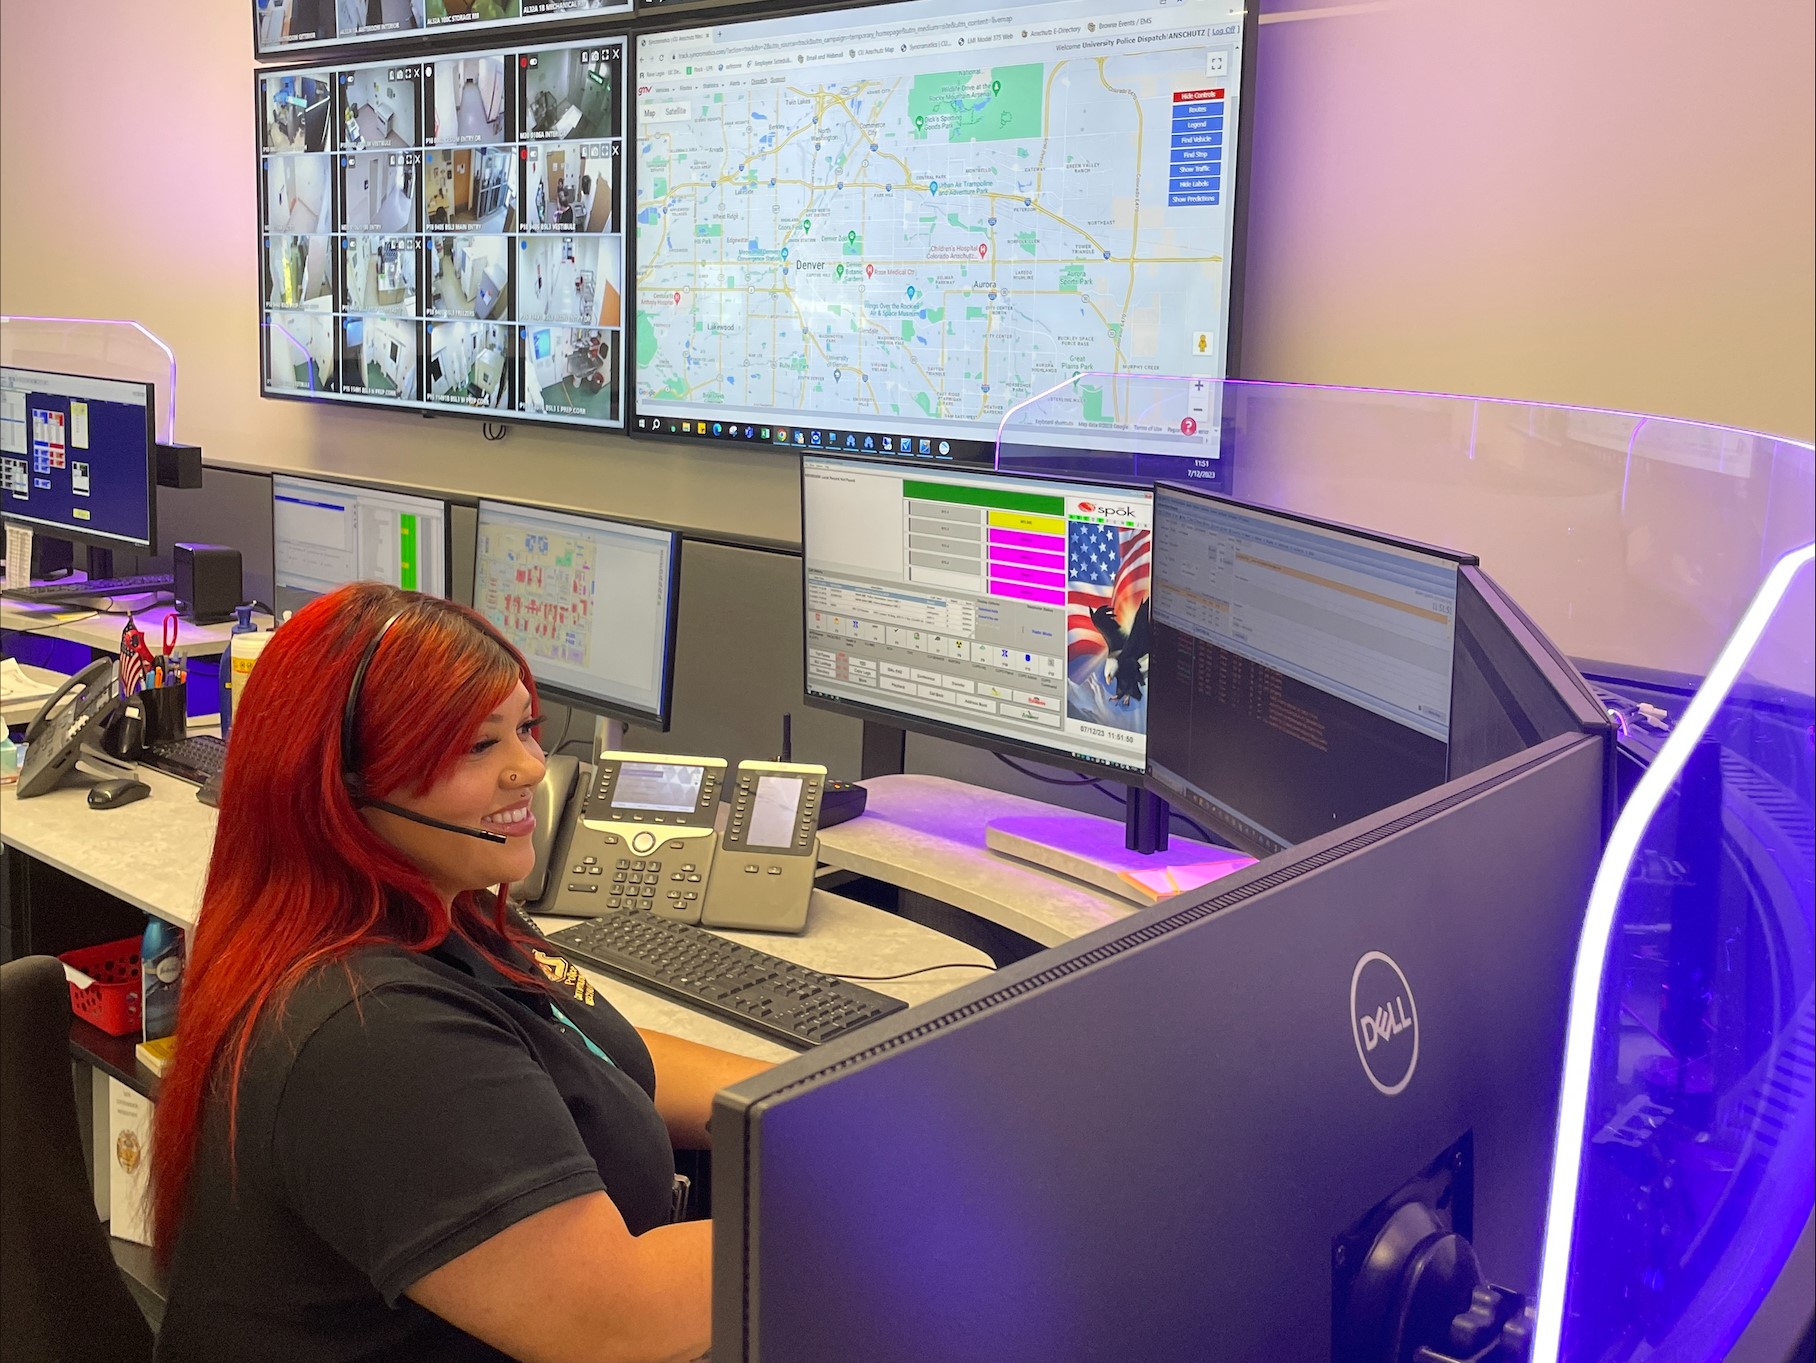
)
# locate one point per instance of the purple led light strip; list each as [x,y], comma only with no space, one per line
[170,414]
[1598,931]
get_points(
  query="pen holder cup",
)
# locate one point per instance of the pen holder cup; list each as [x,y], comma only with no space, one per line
[164,713]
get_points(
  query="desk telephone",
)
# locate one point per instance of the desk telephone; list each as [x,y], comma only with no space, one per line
[642,833]
[68,723]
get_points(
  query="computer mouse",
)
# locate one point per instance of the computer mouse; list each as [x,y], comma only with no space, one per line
[113,794]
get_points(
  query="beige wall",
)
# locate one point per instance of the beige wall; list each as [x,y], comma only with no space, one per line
[1605,202]
[1601,203]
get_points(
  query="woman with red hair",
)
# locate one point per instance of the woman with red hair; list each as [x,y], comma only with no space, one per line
[398,1126]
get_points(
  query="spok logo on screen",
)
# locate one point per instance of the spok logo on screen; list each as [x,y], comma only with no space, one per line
[1123,512]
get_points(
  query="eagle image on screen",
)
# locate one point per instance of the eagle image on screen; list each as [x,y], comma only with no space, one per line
[1107,579]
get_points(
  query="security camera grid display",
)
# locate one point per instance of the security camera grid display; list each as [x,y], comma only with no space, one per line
[286,25]
[446,233]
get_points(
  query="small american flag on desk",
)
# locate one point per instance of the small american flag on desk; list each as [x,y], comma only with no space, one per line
[135,657]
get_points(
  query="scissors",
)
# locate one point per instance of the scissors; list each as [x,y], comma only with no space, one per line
[170,633]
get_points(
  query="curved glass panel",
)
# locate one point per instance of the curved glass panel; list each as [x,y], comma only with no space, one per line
[96,348]
[1630,540]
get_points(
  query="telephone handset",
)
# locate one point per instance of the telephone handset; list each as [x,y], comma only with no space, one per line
[550,805]
[767,858]
[644,839]
[57,733]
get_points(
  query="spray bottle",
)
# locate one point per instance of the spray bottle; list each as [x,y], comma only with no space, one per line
[160,977]
[243,625]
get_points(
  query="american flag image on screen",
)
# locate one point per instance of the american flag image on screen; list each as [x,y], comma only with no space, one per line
[1107,570]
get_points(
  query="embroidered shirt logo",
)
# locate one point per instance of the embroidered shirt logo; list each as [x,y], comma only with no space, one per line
[564,973]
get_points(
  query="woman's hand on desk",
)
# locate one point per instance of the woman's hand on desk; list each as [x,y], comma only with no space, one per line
[687,1076]
[572,1285]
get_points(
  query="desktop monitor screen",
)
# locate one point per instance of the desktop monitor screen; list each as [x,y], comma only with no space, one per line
[901,221]
[326,534]
[1301,672]
[284,26]
[444,233]
[590,603]
[1010,612]
[78,457]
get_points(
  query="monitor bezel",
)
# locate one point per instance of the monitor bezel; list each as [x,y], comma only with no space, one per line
[657,719]
[1133,776]
[706,13]
[1181,796]
[372,485]
[86,537]
[332,58]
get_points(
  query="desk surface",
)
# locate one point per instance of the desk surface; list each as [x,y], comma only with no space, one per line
[154,855]
[85,626]
[926,833]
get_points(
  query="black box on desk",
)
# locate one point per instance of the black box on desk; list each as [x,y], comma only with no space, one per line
[208,584]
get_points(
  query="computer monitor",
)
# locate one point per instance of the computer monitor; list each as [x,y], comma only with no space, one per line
[902,220]
[1301,673]
[281,27]
[326,533]
[1001,610]
[78,457]
[444,232]
[1163,1141]
[590,602]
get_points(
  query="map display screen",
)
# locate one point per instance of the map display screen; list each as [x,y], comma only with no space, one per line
[876,232]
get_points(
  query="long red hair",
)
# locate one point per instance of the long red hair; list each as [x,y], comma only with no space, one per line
[297,880]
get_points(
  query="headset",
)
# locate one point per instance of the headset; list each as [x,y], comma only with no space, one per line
[350,744]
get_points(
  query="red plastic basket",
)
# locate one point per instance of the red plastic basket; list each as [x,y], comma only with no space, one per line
[112,1001]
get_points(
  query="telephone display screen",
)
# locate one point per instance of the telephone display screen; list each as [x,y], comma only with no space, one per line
[658,786]
[772,814]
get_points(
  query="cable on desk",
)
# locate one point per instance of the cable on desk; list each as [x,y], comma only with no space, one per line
[495,430]
[949,965]
[1105,789]
[111,609]
[1015,766]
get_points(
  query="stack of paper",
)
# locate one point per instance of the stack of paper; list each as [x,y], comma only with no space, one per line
[15,686]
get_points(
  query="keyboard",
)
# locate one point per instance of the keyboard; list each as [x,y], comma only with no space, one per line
[190,759]
[749,988]
[94,586]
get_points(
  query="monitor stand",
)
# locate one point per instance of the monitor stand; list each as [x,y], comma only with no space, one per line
[1142,866]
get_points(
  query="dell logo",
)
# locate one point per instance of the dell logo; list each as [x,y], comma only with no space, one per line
[1385,1020]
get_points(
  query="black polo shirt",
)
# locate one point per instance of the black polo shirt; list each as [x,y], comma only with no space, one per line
[403,1110]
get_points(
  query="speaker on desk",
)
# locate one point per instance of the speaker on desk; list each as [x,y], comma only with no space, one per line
[208,584]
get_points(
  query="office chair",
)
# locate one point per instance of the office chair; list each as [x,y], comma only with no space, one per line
[61,1296]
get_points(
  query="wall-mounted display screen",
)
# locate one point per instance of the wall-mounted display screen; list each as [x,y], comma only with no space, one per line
[445,234]
[879,230]
[284,26]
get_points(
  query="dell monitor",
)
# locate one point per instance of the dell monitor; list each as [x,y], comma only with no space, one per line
[1301,673]
[1004,611]
[78,457]
[900,221]
[590,603]
[326,533]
